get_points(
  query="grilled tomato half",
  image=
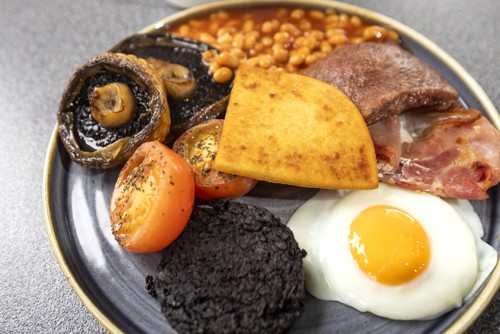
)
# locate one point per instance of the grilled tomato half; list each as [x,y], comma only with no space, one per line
[152,199]
[198,146]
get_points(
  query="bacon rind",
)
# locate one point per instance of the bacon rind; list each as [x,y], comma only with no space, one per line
[387,140]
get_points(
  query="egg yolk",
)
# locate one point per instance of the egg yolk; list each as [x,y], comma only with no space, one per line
[389,245]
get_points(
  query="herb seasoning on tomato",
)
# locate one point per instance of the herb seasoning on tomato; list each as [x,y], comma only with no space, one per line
[152,200]
[198,146]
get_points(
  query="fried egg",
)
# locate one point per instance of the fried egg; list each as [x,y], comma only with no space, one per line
[393,252]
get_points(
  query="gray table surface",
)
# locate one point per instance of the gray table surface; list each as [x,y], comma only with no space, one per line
[42,42]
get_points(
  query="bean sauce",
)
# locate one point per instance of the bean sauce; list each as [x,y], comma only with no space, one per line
[287,39]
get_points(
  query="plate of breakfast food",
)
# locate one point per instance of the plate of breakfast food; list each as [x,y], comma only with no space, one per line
[276,167]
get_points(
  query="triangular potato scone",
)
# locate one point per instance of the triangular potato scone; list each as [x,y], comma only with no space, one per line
[288,128]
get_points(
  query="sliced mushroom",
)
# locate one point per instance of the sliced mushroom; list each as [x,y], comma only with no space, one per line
[178,80]
[188,53]
[113,105]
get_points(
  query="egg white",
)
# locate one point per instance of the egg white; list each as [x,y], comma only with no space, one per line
[460,261]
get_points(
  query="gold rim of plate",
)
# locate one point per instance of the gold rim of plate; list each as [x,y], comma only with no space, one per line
[493,283]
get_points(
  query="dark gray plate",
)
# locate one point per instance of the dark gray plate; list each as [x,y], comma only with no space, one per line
[111,281]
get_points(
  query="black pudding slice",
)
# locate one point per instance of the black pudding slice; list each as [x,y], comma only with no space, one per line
[235,269]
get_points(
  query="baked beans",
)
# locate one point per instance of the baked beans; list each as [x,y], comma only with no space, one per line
[285,38]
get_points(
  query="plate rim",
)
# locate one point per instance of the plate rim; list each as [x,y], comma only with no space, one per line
[492,286]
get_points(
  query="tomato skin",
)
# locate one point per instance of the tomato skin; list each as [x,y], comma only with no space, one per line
[198,146]
[152,200]
[232,188]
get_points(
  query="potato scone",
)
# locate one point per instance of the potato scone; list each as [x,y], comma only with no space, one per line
[292,129]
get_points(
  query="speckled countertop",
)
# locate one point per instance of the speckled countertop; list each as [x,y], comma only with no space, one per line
[42,42]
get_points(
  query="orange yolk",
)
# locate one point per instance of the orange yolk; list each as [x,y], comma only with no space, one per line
[389,245]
